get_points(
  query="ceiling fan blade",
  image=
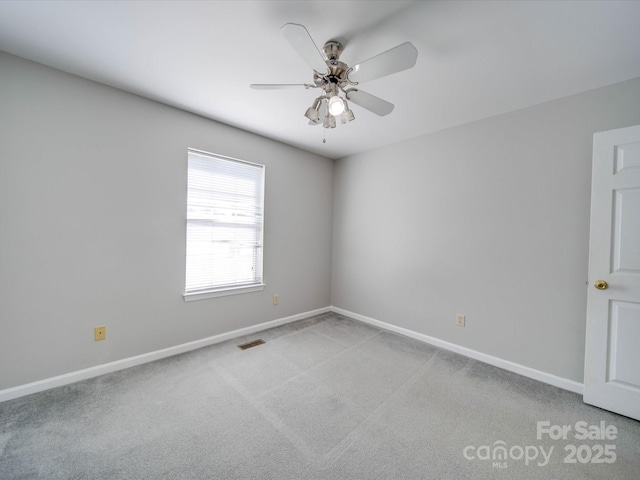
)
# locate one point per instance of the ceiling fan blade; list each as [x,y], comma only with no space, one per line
[301,41]
[395,60]
[370,102]
[278,86]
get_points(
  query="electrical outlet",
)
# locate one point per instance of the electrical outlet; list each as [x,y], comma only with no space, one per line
[276,299]
[460,320]
[100,333]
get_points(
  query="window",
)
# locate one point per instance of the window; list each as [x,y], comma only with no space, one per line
[225,200]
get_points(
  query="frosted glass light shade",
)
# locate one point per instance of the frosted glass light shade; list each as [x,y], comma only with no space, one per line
[336,106]
[347,116]
[329,122]
[313,115]
[313,112]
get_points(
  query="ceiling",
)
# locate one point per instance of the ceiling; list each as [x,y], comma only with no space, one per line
[476,59]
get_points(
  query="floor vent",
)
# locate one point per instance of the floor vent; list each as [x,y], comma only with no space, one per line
[255,343]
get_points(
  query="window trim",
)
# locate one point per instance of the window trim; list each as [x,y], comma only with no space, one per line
[222,292]
[215,292]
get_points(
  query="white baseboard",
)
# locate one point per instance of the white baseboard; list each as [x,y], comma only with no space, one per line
[72,377]
[544,377]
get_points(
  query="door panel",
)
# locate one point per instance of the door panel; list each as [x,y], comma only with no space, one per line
[627,157]
[624,338]
[626,245]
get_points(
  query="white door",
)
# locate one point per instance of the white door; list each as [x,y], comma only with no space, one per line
[612,350]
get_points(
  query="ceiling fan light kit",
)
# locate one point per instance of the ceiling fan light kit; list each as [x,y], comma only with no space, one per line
[338,81]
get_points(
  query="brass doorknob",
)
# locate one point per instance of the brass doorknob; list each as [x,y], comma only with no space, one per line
[601,285]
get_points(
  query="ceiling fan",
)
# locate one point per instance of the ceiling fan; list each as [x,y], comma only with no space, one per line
[337,80]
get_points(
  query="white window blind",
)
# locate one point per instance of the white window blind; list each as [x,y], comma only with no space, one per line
[224,224]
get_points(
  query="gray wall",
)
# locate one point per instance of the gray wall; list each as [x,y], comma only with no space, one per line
[92,225]
[489,219]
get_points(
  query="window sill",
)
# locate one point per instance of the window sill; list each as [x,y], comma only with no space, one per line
[190,297]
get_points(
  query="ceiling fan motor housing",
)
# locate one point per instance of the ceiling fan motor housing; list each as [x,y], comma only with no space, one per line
[336,77]
[332,51]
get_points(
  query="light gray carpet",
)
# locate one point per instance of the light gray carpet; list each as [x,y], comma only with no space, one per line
[324,398]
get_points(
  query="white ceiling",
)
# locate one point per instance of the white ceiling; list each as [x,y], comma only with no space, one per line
[476,59]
